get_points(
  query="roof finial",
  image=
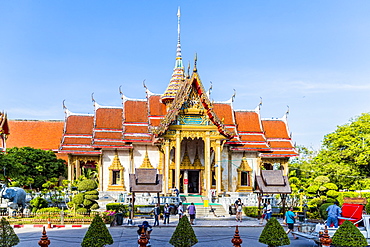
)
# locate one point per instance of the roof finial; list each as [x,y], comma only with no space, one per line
[178,50]
[287,112]
[144,84]
[120,91]
[92,98]
[195,62]
[233,97]
[64,106]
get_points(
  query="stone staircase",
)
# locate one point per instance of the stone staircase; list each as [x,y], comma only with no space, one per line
[219,210]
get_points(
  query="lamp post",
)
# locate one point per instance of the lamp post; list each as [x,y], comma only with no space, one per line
[129,214]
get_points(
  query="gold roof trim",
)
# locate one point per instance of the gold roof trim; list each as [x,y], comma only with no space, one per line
[146,162]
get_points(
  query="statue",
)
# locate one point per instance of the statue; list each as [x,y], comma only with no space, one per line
[15,195]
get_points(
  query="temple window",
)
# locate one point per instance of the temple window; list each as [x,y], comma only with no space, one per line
[116,177]
[244,176]
[268,166]
[116,181]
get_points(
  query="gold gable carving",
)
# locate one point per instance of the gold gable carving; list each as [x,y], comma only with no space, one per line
[244,166]
[146,162]
[116,166]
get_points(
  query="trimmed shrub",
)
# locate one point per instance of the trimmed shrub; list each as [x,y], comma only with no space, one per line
[273,234]
[184,235]
[313,189]
[330,200]
[8,237]
[38,203]
[92,192]
[322,210]
[332,193]
[348,235]
[94,206]
[81,210]
[91,197]
[87,185]
[78,199]
[251,211]
[331,186]
[97,235]
[49,210]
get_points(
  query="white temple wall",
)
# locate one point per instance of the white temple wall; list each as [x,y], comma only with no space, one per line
[107,159]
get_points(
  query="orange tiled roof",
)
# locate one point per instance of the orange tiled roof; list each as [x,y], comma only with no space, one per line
[35,133]
[108,118]
[275,129]
[248,121]
[224,112]
[136,111]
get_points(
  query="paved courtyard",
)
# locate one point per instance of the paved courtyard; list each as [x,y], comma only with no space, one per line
[127,236]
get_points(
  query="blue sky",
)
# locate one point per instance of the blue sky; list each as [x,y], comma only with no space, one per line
[311,55]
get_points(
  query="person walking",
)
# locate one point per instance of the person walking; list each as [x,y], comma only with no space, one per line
[268,211]
[157,212]
[334,212]
[239,210]
[180,210]
[290,220]
[192,211]
[166,212]
[176,192]
[263,213]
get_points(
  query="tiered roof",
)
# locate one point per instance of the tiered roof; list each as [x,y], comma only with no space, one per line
[146,120]
[37,134]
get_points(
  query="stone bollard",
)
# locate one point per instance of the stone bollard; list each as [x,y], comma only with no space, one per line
[237,241]
[325,239]
[44,242]
[142,241]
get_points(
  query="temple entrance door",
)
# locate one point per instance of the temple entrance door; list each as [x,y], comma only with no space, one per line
[193,181]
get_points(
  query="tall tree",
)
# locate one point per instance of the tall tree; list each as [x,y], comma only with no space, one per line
[22,163]
[345,154]
[344,157]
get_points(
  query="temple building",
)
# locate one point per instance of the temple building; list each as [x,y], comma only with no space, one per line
[196,144]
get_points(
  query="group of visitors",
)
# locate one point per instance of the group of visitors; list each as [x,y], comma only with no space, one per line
[167,211]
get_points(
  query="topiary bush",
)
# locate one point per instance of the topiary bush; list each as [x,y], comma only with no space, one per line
[322,210]
[87,185]
[8,237]
[38,203]
[251,211]
[97,235]
[273,234]
[184,235]
[348,235]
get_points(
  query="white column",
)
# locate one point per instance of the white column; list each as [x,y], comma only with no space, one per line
[185,186]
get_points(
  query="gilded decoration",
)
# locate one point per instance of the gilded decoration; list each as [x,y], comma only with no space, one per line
[85,159]
[244,168]
[146,162]
[116,181]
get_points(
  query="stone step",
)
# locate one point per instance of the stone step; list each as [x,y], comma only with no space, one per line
[198,201]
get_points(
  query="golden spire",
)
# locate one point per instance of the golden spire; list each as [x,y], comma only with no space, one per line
[146,162]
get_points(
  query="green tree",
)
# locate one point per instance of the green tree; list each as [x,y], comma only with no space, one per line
[184,235]
[38,203]
[87,196]
[273,234]
[24,163]
[345,154]
[8,237]
[97,235]
[348,235]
